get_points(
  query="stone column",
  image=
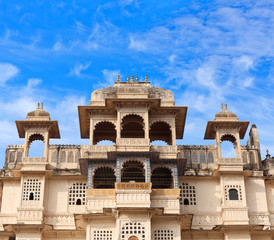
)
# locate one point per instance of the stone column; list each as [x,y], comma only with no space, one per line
[217,142]
[26,148]
[91,129]
[238,146]
[118,123]
[176,185]
[118,170]
[46,145]
[89,175]
[173,132]
[146,124]
[88,232]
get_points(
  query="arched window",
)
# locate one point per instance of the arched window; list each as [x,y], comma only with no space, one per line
[132,126]
[161,177]
[186,156]
[12,156]
[202,157]
[194,157]
[36,146]
[228,144]
[31,197]
[70,157]
[104,178]
[133,171]
[78,202]
[63,157]
[54,156]
[233,194]
[186,201]
[160,131]
[210,157]
[19,157]
[104,131]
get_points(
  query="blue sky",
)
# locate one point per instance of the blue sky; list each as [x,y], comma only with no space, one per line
[206,52]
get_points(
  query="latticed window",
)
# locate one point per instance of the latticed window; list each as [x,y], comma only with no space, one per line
[233,192]
[187,194]
[133,228]
[32,190]
[194,157]
[102,235]
[202,157]
[70,157]
[210,157]
[77,194]
[163,234]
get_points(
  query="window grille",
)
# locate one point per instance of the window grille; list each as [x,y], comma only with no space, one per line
[32,190]
[70,157]
[133,228]
[77,194]
[163,234]
[187,194]
[202,157]
[194,157]
[231,195]
[210,157]
[102,235]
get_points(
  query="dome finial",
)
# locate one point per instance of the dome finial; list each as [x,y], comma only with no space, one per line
[118,78]
[38,105]
[146,78]
[131,79]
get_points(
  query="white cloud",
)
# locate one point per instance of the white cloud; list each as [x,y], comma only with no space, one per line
[110,77]
[33,82]
[58,45]
[7,71]
[78,68]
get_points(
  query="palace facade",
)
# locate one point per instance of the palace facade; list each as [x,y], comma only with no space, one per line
[134,190]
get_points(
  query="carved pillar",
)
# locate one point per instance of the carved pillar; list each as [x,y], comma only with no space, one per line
[88,232]
[176,185]
[46,145]
[89,175]
[146,124]
[118,123]
[118,170]
[91,129]
[173,132]
[148,171]
[217,142]
[238,145]
[25,153]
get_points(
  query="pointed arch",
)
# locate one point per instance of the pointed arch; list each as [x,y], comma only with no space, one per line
[104,177]
[161,177]
[104,130]
[133,170]
[160,130]
[132,126]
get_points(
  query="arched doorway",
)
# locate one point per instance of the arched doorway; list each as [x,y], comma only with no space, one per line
[133,238]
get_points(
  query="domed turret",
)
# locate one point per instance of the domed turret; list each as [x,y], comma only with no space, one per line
[225,115]
[38,114]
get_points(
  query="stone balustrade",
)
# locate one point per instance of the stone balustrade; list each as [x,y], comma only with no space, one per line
[133,144]
[34,160]
[34,163]
[230,161]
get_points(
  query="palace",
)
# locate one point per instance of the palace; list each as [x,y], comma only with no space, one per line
[133,189]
